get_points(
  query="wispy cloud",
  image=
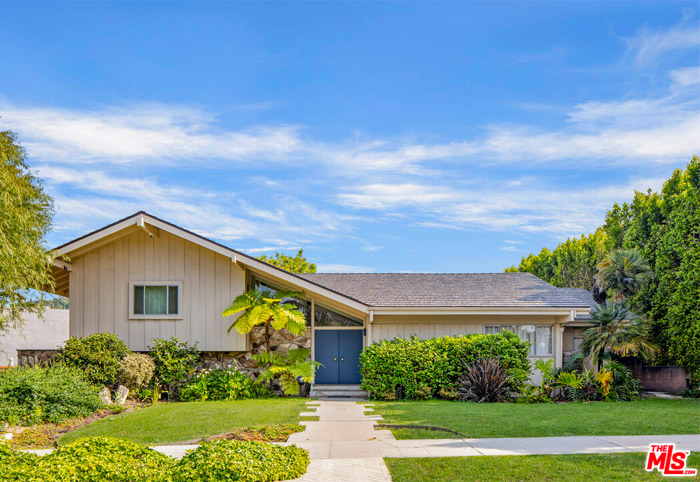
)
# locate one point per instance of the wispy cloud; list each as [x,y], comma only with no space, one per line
[650,44]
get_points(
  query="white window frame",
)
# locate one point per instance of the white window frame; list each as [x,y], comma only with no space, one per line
[551,327]
[134,316]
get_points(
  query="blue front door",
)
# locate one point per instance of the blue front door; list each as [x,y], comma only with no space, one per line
[339,352]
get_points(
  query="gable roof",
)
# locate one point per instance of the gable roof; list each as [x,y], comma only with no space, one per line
[447,289]
[580,294]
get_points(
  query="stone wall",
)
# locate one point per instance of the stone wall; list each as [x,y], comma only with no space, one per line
[280,340]
[34,357]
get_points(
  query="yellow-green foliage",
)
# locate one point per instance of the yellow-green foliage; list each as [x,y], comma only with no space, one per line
[136,371]
[234,460]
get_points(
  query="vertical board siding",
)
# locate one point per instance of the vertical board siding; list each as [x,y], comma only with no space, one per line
[99,291]
[389,331]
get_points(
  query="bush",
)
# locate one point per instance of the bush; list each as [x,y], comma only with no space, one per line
[92,460]
[227,384]
[175,361]
[97,355]
[30,395]
[136,371]
[485,381]
[16,465]
[234,460]
[418,369]
[625,386]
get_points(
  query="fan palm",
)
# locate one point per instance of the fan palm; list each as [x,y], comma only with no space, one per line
[269,309]
[618,330]
[623,273]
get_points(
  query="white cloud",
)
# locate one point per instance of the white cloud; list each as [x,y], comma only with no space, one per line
[380,196]
[648,45]
[271,249]
[685,77]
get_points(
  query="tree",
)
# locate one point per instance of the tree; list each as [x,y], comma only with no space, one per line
[26,215]
[296,264]
[623,273]
[259,308]
[617,330]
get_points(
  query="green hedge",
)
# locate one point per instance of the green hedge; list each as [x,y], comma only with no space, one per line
[30,395]
[101,459]
[241,461]
[419,369]
[98,356]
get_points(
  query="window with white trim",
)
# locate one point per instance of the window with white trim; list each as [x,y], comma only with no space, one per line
[155,299]
[539,336]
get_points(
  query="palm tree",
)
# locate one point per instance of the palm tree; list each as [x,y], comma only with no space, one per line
[623,273]
[617,330]
[268,308]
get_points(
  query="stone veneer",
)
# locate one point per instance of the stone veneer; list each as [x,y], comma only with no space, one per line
[34,357]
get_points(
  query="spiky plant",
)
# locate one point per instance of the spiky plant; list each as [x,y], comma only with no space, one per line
[623,273]
[484,381]
[618,330]
[268,309]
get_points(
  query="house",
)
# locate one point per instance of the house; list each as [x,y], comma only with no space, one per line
[143,278]
[37,340]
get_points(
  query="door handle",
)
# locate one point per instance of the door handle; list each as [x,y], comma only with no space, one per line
[342,358]
[335,358]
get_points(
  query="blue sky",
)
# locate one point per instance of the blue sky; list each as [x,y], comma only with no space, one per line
[435,137]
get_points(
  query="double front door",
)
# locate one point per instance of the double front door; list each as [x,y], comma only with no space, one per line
[339,353]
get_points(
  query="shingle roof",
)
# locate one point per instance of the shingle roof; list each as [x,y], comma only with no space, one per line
[580,294]
[447,290]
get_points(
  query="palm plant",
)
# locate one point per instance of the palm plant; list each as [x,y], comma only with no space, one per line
[268,309]
[617,330]
[291,367]
[623,273]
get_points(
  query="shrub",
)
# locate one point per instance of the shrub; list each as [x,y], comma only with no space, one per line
[97,355]
[136,371]
[91,460]
[30,395]
[175,361]
[625,386]
[234,460]
[227,384]
[16,465]
[484,381]
[404,368]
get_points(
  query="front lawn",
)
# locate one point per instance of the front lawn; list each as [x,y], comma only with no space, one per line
[654,416]
[178,422]
[584,468]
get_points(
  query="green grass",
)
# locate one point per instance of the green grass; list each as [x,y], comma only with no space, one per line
[178,422]
[584,468]
[652,416]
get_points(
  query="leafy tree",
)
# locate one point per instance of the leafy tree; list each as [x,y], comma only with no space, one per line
[26,214]
[259,308]
[293,264]
[617,330]
[623,273]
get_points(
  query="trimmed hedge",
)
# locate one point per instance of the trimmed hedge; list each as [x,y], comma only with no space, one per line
[420,369]
[30,395]
[95,459]
[235,460]
[102,459]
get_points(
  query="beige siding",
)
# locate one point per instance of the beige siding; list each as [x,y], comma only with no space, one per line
[100,291]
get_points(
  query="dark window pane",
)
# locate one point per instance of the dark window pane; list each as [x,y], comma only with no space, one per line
[303,305]
[138,300]
[156,300]
[326,317]
[172,300]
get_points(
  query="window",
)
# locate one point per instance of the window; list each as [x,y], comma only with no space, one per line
[325,317]
[155,299]
[303,305]
[540,337]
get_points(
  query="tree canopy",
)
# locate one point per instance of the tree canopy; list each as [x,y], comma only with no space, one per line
[665,228]
[293,264]
[27,212]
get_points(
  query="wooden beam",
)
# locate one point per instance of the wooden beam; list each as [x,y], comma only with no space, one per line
[62,265]
[152,231]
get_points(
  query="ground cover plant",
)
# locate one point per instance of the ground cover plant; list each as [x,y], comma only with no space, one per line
[642,417]
[262,433]
[178,422]
[244,461]
[226,384]
[30,395]
[421,369]
[535,468]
